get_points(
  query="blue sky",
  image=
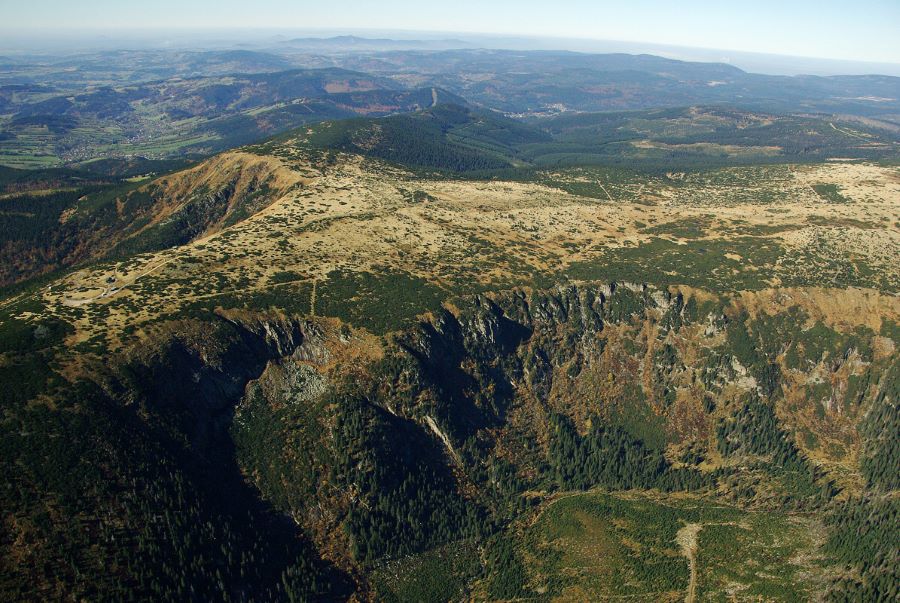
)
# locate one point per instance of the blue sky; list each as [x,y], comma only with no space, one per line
[862,30]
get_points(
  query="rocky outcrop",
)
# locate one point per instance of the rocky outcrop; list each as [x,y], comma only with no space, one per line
[440,436]
[192,375]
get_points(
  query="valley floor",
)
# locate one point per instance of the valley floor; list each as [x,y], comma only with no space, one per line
[634,546]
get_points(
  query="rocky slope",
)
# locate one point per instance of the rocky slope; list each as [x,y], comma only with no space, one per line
[260,456]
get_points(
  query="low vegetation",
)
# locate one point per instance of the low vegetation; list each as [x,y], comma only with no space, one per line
[387,359]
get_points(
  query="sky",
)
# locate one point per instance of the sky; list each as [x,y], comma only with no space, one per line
[858,30]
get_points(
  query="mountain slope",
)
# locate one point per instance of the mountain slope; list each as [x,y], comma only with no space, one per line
[446,136]
[445,435]
[371,381]
[43,233]
[459,139]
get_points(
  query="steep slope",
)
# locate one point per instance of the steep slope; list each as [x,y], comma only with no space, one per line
[43,233]
[446,433]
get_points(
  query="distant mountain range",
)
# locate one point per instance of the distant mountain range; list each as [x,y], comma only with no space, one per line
[57,110]
[356,43]
[538,81]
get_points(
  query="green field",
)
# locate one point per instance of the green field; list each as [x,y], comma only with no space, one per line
[601,547]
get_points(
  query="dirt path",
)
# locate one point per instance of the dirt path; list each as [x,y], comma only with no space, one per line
[608,196]
[109,290]
[434,97]
[847,133]
[687,540]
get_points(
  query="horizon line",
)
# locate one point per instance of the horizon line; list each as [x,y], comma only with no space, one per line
[335,32]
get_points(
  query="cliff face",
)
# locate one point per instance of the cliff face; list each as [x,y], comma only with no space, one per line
[196,374]
[468,406]
[680,363]
[320,451]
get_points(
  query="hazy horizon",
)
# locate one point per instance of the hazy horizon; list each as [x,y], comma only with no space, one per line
[36,41]
[819,30]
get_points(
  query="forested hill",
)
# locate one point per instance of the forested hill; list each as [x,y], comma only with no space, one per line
[454,138]
[446,137]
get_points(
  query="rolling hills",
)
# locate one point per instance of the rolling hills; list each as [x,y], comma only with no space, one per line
[542,82]
[62,218]
[186,115]
[457,139]
[70,110]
